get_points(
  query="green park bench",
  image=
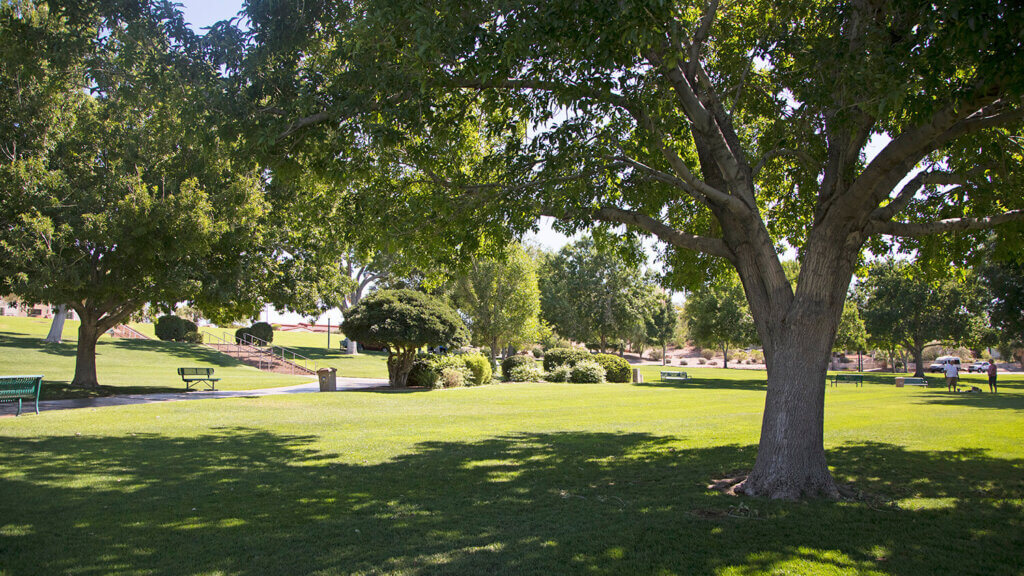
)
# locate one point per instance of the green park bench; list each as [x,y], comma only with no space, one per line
[18,388]
[673,375]
[192,376]
[857,379]
[915,382]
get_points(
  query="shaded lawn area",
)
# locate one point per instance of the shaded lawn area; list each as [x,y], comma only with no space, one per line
[505,479]
[123,366]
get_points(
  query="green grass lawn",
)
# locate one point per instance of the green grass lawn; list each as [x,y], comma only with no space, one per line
[511,479]
[123,366]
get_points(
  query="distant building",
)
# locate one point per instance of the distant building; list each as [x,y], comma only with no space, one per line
[12,306]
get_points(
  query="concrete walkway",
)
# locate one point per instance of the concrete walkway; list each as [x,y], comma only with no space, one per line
[28,407]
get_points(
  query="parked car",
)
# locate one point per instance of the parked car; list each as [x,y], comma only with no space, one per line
[940,363]
[978,367]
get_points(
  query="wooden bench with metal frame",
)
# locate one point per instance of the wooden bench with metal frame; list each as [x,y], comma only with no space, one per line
[674,375]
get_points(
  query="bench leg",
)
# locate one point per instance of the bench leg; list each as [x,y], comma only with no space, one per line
[37,405]
[19,407]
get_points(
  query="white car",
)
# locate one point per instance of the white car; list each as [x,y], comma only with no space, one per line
[978,367]
[940,363]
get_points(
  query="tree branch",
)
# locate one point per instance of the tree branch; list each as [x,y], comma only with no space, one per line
[630,218]
[911,188]
[318,118]
[918,229]
[801,155]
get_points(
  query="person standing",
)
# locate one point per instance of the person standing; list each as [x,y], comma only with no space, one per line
[992,378]
[952,372]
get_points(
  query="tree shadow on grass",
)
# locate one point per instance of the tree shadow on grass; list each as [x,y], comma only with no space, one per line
[977,400]
[247,501]
[197,353]
[15,341]
[707,384]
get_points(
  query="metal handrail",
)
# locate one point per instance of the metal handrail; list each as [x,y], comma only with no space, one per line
[265,349]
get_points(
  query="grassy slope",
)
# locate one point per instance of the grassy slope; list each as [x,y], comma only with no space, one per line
[510,479]
[123,366]
[314,346]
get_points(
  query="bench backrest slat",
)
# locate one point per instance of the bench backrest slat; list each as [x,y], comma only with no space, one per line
[195,371]
[14,386]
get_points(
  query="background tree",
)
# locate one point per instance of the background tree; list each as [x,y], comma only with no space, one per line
[901,304]
[717,315]
[851,334]
[664,323]
[590,295]
[404,321]
[1005,282]
[135,198]
[722,129]
[500,299]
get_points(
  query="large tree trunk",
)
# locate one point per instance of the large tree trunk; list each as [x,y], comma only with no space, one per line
[85,359]
[797,330]
[791,455]
[399,366]
[57,326]
[725,356]
[918,352]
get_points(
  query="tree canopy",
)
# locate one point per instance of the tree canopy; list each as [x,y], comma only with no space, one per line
[725,130]
[717,315]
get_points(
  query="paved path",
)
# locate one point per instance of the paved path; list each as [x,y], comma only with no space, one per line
[28,407]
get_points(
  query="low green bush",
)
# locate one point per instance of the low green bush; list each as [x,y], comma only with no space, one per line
[559,356]
[587,372]
[428,371]
[480,366]
[616,368]
[512,361]
[453,377]
[559,373]
[193,337]
[525,373]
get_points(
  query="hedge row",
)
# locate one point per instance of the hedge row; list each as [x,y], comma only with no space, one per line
[616,369]
[450,370]
[260,330]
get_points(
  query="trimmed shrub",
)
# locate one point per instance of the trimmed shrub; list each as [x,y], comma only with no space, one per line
[422,373]
[655,354]
[452,378]
[240,335]
[707,354]
[559,373]
[174,328]
[263,331]
[684,363]
[538,352]
[587,372]
[701,361]
[525,373]
[616,369]
[480,366]
[512,361]
[193,337]
[559,356]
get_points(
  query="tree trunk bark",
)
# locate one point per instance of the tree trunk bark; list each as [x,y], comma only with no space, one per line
[664,352]
[725,356]
[85,359]
[791,455]
[494,351]
[57,326]
[399,366]
[918,353]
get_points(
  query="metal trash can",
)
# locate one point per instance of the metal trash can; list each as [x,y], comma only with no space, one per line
[328,378]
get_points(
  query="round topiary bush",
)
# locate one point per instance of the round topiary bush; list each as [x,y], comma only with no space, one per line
[193,337]
[616,368]
[559,356]
[587,372]
[512,361]
[240,335]
[480,366]
[173,329]
[263,331]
